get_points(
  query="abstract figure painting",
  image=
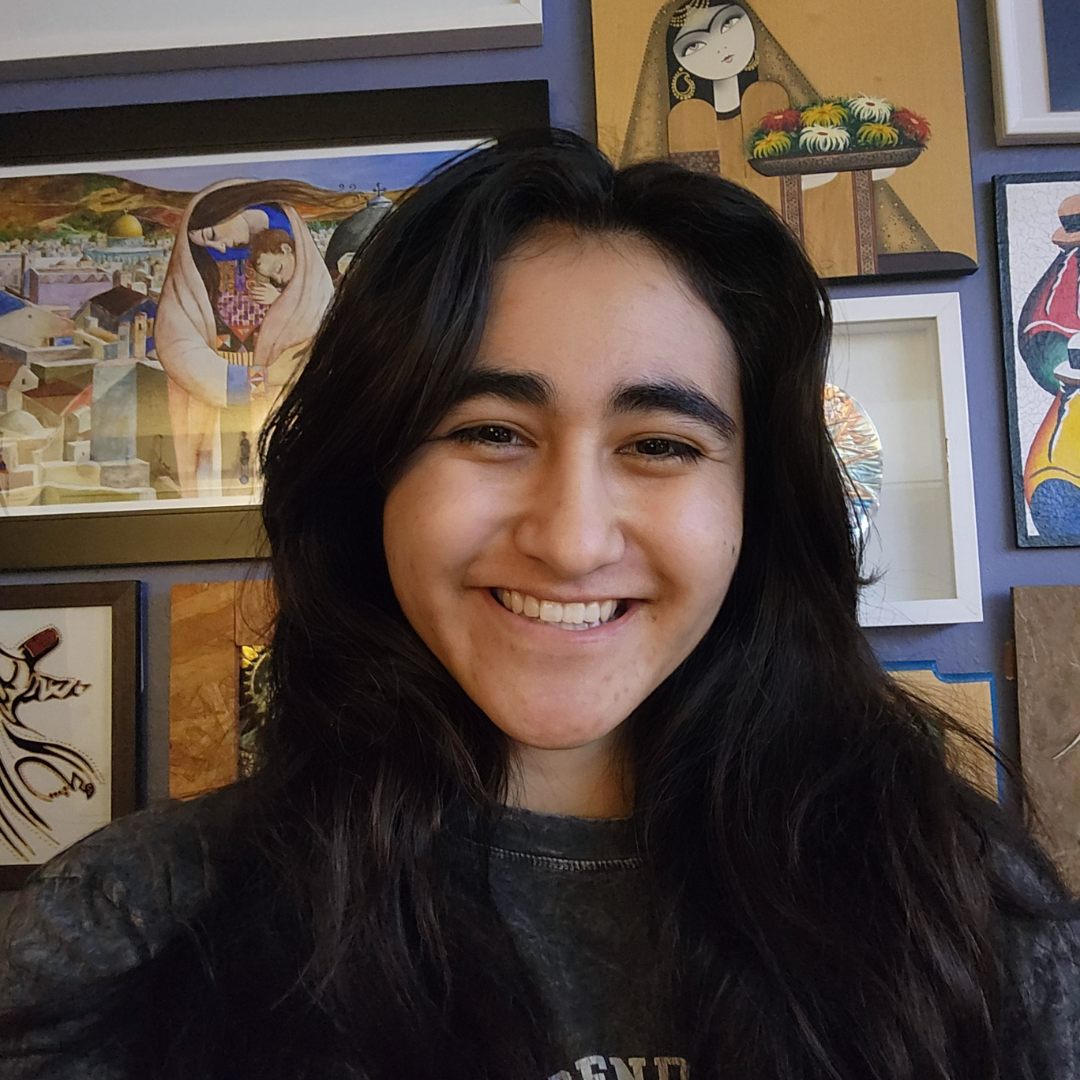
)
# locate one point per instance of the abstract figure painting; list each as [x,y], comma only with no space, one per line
[1039,260]
[820,108]
[68,683]
[153,311]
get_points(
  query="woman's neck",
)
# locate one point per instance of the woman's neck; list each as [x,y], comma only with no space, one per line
[726,96]
[591,781]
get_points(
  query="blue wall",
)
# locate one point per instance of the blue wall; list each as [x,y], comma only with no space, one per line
[565,60]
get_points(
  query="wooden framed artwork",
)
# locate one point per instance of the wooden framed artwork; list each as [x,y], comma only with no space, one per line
[154,306]
[901,359]
[971,699]
[855,134]
[69,690]
[60,39]
[1047,624]
[220,631]
[1033,50]
[1038,218]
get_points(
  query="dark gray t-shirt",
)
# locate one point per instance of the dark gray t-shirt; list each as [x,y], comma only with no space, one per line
[572,892]
[569,889]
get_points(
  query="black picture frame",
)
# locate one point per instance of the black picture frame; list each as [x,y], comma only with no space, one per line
[472,111]
[1009,318]
[124,598]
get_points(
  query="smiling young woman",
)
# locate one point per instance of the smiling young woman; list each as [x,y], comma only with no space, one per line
[578,763]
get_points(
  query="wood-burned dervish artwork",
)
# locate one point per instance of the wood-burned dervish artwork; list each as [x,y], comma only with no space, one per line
[850,125]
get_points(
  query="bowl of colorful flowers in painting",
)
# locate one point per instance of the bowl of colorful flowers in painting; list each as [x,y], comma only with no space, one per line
[837,135]
[858,448]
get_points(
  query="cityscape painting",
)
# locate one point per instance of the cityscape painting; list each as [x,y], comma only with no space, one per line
[153,311]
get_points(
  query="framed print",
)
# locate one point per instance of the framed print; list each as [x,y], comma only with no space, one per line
[69,687]
[901,361]
[1033,50]
[851,125]
[71,37]
[217,682]
[1038,219]
[1047,624]
[969,697]
[153,308]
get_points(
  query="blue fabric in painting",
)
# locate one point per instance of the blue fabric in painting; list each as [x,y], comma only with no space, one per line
[1055,508]
[1061,18]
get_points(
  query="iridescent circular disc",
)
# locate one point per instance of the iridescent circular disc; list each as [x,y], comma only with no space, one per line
[859,448]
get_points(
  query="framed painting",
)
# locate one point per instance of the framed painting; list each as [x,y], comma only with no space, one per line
[70,680]
[154,307]
[970,698]
[217,682]
[1033,50]
[1038,218]
[59,39]
[851,125]
[899,360]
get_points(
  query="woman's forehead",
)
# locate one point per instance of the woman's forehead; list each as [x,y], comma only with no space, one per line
[698,19]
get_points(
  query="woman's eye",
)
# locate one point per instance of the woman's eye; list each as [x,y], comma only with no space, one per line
[729,23]
[665,449]
[488,434]
[693,47]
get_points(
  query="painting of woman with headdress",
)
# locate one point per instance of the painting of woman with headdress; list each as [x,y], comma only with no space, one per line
[245,291]
[696,80]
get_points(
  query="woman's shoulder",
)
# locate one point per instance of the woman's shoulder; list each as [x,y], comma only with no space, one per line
[1040,956]
[110,902]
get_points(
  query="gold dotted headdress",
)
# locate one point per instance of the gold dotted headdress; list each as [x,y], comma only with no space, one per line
[679,16]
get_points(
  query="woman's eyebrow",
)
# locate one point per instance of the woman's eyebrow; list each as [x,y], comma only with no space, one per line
[520,387]
[673,397]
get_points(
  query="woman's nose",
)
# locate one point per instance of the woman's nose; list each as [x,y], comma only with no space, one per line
[571,522]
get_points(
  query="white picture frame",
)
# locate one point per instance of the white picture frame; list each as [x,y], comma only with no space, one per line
[78,37]
[1021,81]
[902,358]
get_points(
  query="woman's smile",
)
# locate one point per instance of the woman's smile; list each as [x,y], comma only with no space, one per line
[570,615]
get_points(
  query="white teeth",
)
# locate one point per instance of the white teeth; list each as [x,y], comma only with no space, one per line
[574,613]
[550,611]
[573,616]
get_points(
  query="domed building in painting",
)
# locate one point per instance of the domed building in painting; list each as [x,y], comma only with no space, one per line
[124,243]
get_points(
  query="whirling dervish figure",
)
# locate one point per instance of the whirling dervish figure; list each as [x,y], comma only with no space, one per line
[34,769]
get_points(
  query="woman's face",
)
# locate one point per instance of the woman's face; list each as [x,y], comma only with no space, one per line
[567,534]
[715,42]
[231,233]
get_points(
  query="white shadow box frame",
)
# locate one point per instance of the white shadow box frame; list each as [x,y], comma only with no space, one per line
[93,37]
[902,359]
[1021,77]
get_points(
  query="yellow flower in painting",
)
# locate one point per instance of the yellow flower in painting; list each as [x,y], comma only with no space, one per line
[826,114]
[772,144]
[249,654]
[878,135]
[822,139]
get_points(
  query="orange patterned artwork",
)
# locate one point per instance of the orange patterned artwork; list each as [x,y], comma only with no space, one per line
[851,128]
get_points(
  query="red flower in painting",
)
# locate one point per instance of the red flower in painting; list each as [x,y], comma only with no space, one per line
[912,124]
[783,120]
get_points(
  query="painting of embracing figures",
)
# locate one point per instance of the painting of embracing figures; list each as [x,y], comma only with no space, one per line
[847,116]
[152,313]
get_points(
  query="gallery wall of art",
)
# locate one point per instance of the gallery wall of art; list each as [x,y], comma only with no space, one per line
[918,276]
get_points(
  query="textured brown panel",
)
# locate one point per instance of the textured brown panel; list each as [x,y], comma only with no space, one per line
[202,688]
[1048,680]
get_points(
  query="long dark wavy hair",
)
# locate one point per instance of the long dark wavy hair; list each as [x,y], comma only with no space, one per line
[825,885]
